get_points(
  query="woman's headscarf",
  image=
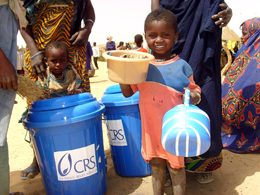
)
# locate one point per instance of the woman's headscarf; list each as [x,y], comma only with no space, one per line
[253,28]
[252,25]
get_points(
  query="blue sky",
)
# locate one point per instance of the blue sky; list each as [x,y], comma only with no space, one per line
[123,19]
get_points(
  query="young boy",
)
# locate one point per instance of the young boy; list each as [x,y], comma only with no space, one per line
[62,79]
[139,44]
[167,77]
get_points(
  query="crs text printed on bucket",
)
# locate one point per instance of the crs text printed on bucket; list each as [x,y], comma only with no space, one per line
[76,164]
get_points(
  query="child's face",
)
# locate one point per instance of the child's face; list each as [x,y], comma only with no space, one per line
[245,34]
[57,60]
[160,37]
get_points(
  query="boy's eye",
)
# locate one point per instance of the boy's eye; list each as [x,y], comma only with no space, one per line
[152,35]
[54,61]
[165,34]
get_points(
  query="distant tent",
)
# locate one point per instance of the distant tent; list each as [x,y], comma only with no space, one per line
[229,34]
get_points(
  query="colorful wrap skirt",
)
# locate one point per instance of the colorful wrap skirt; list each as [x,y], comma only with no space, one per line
[202,165]
[53,24]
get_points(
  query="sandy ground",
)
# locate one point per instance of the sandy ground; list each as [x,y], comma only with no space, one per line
[239,174]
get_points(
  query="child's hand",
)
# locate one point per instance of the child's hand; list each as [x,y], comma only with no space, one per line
[194,97]
[126,90]
[75,91]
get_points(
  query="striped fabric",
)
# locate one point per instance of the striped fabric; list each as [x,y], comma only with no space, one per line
[53,24]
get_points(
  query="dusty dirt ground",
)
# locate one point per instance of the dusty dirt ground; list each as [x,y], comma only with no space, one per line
[239,174]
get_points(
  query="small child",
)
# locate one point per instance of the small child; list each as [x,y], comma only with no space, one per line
[167,78]
[139,44]
[62,79]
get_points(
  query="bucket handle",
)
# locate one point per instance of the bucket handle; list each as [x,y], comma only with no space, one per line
[29,140]
[25,137]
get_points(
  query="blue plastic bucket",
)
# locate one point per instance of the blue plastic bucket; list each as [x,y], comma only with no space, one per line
[124,131]
[67,137]
[186,130]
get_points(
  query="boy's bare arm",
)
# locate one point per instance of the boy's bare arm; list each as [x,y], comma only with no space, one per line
[126,90]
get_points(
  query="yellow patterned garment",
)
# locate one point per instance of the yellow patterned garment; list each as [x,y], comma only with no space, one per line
[53,24]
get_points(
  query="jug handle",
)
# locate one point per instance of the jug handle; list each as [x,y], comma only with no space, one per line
[187,97]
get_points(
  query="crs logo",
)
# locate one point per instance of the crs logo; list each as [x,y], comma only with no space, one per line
[116,133]
[67,170]
[76,164]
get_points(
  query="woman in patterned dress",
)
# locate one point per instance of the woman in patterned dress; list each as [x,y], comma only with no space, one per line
[240,94]
[56,20]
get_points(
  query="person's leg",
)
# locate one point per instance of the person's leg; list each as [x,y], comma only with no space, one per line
[6,106]
[31,171]
[95,62]
[158,175]
[178,177]
[8,43]
[4,170]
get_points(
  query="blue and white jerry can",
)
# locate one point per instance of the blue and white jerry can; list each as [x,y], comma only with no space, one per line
[186,130]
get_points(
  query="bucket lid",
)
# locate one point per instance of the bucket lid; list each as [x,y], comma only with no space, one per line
[63,110]
[113,96]
[61,102]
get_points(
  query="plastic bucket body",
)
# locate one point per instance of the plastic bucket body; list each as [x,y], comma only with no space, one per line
[67,137]
[125,70]
[186,130]
[124,130]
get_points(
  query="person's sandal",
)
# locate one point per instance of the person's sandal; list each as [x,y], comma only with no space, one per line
[204,178]
[30,174]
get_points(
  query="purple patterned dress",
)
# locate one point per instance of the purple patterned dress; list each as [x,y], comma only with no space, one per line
[241,96]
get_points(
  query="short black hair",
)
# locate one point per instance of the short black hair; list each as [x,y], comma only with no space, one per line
[55,44]
[161,15]
[138,39]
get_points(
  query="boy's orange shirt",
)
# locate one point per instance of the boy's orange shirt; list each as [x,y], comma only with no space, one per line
[156,98]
